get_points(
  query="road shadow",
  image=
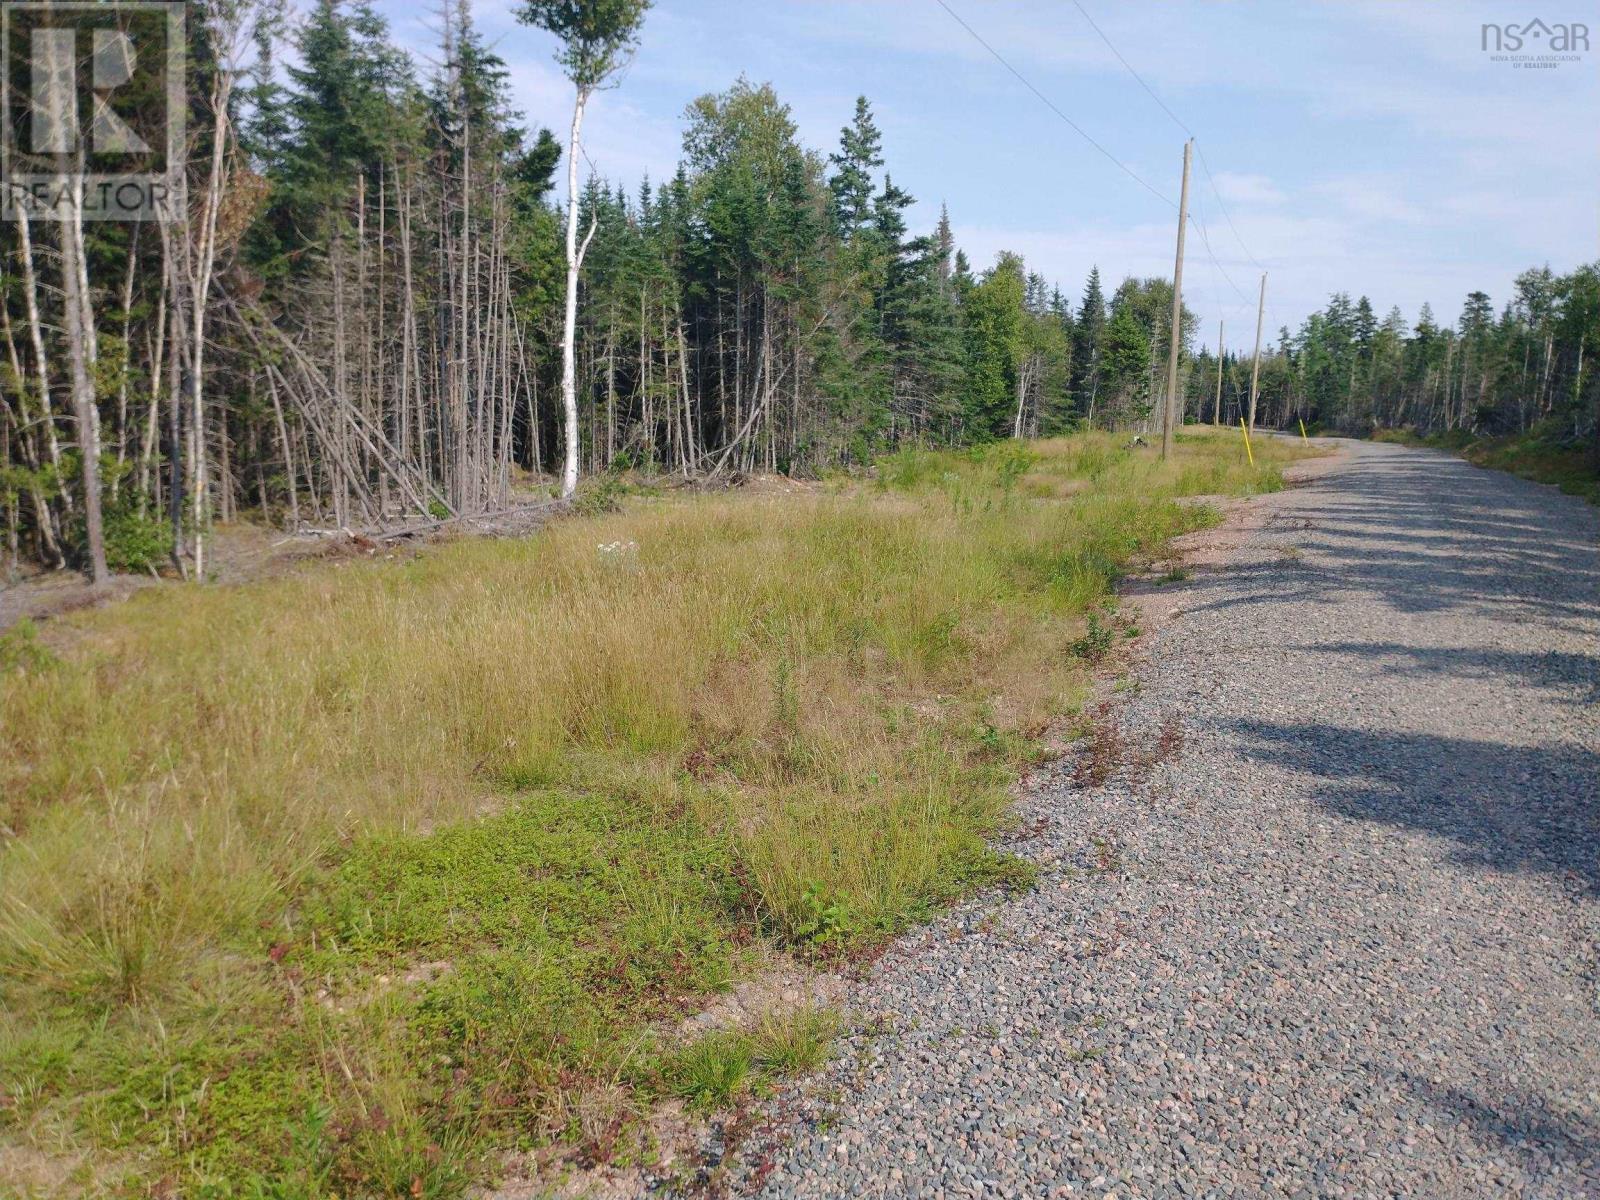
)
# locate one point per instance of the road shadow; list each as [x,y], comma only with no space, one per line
[1566,677]
[1505,808]
[1424,535]
[1519,1126]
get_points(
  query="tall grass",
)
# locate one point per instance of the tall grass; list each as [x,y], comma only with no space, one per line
[355,875]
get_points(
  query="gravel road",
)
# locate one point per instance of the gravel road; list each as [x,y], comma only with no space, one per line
[1339,940]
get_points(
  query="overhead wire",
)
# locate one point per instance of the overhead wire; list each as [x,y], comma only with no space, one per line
[1206,167]
[1051,105]
[1200,224]
[1213,269]
[1205,240]
[1183,125]
[1177,120]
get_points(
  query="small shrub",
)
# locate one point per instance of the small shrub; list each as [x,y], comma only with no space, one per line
[907,469]
[602,494]
[1096,641]
[822,919]
[136,542]
[1012,460]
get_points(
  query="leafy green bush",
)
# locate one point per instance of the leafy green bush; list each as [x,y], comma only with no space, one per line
[1096,640]
[823,919]
[136,542]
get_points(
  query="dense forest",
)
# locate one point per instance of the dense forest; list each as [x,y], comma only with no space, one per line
[358,320]
[1346,370]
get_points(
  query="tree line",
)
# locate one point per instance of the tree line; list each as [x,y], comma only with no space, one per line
[359,319]
[1531,364]
[374,309]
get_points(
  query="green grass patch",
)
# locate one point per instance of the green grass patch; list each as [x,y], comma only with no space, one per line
[712,1072]
[718,1069]
[795,1043]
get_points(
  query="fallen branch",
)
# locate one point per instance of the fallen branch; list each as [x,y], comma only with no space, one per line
[414,528]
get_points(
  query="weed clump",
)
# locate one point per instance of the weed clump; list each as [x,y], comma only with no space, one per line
[1096,641]
[718,1069]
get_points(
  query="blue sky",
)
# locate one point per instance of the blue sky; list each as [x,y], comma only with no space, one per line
[1358,146]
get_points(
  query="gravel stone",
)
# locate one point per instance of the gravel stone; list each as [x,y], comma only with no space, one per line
[1340,943]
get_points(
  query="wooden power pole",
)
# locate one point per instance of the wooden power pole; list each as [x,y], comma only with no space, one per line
[1173,413]
[1216,408]
[1255,367]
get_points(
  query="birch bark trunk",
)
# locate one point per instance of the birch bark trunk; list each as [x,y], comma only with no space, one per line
[569,327]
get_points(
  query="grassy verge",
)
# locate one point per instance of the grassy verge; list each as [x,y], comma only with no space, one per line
[346,882]
[1539,455]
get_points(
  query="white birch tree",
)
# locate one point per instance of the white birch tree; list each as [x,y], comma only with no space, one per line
[597,37]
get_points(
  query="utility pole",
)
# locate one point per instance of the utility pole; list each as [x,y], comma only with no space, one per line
[1216,408]
[1174,408]
[1255,368]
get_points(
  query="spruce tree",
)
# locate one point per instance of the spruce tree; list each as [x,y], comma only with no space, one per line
[1086,347]
[858,157]
[943,250]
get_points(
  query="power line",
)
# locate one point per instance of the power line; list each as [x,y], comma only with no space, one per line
[1214,293]
[1205,239]
[1050,104]
[1216,264]
[1206,167]
[1179,122]
[1200,226]
[1176,119]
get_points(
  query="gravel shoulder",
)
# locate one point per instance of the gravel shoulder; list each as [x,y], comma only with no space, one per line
[1320,903]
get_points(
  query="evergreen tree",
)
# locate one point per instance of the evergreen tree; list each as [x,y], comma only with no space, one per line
[943,250]
[993,315]
[1125,351]
[342,109]
[1086,348]
[858,157]
[389,328]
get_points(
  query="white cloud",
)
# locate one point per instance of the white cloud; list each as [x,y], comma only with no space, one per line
[1361,146]
[1372,197]
[1247,189]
